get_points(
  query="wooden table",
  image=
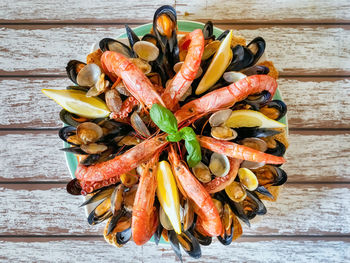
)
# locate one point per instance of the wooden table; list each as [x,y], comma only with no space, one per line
[307,40]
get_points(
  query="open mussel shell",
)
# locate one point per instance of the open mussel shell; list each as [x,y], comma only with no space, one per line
[91,159]
[275,109]
[75,150]
[150,38]
[69,118]
[101,212]
[242,58]
[256,70]
[123,237]
[190,244]
[132,37]
[271,175]
[257,47]
[89,75]
[262,190]
[66,132]
[202,239]
[258,100]
[73,68]
[236,207]
[209,50]
[253,206]
[226,239]
[223,35]
[208,31]
[115,219]
[146,50]
[246,132]
[101,194]
[74,187]
[279,150]
[218,118]
[174,242]
[219,164]
[114,45]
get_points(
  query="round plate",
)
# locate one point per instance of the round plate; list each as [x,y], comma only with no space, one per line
[187,26]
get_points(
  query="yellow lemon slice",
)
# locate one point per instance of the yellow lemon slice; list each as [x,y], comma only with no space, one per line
[75,101]
[250,118]
[218,65]
[167,195]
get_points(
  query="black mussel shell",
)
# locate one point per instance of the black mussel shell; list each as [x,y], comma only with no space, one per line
[262,190]
[71,70]
[85,89]
[66,132]
[132,37]
[101,194]
[280,106]
[256,206]
[247,132]
[202,239]
[256,70]
[115,45]
[67,118]
[223,35]
[279,150]
[242,58]
[74,187]
[114,220]
[91,159]
[75,150]
[227,239]
[187,238]
[94,219]
[281,177]
[259,100]
[236,208]
[208,30]
[158,234]
[174,242]
[260,45]
[119,129]
[123,237]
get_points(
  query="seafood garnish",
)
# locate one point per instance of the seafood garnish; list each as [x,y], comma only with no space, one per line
[175,133]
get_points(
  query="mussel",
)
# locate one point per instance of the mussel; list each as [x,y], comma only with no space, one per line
[208,31]
[132,37]
[278,150]
[256,70]
[66,133]
[271,175]
[114,45]
[254,143]
[242,58]
[257,47]
[70,118]
[202,239]
[258,100]
[190,244]
[253,206]
[275,109]
[246,132]
[101,212]
[73,68]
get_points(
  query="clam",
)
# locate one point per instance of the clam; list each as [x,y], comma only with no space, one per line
[219,165]
[115,45]
[251,165]
[202,172]
[142,64]
[132,37]
[255,143]
[248,179]
[139,126]
[178,66]
[100,86]
[93,148]
[73,68]
[89,132]
[271,175]
[74,187]
[89,75]
[233,76]
[120,87]
[275,109]
[223,133]
[113,100]
[146,50]
[236,192]
[218,118]
[256,70]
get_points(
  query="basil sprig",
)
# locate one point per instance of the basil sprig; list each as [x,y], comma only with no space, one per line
[166,121]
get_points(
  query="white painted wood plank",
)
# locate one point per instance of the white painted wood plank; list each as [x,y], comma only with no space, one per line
[301,210]
[300,50]
[312,103]
[258,250]
[22,154]
[117,10]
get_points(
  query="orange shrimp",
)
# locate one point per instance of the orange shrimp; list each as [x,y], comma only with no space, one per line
[219,183]
[227,96]
[183,79]
[134,79]
[241,152]
[102,173]
[195,191]
[144,215]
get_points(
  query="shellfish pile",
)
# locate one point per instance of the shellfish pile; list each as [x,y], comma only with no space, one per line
[176,134]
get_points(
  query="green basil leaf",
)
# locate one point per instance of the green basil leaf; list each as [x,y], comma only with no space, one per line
[188,134]
[175,137]
[163,118]
[194,152]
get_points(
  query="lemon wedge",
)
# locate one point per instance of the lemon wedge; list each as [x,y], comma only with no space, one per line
[218,65]
[75,101]
[167,195]
[250,118]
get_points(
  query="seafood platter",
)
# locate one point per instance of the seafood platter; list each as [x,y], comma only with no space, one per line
[174,132]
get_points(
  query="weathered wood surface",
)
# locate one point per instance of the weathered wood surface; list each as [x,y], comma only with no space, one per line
[312,102]
[252,11]
[22,154]
[47,209]
[248,249]
[42,50]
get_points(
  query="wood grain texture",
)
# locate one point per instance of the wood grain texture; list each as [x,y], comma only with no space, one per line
[252,11]
[312,102]
[260,250]
[329,151]
[37,209]
[295,50]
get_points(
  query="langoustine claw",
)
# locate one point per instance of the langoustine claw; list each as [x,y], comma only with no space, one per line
[204,206]
[144,215]
[184,77]
[238,151]
[227,96]
[134,79]
[88,176]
